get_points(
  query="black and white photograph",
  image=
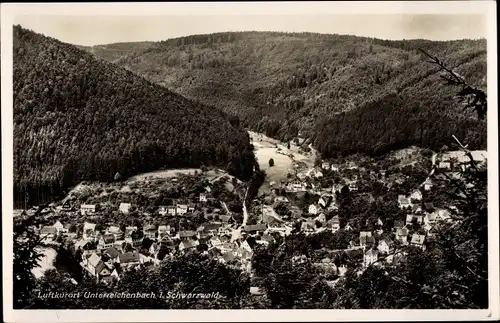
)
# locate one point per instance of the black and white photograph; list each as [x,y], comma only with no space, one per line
[244,156]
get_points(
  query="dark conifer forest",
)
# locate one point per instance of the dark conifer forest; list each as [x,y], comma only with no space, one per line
[77,117]
[345,93]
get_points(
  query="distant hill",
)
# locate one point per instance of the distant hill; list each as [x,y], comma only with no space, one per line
[81,118]
[112,52]
[345,93]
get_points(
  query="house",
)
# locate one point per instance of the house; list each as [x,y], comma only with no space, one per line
[351,165]
[225,218]
[163,232]
[125,208]
[106,241]
[208,189]
[353,187]
[370,257]
[385,246]
[416,195]
[171,210]
[335,167]
[129,258]
[442,214]
[430,218]
[227,257]
[411,217]
[210,228]
[136,237]
[428,184]
[67,206]
[186,234]
[308,227]
[366,238]
[313,209]
[323,201]
[321,218]
[398,224]
[149,231]
[115,231]
[335,223]
[279,199]
[163,210]
[325,165]
[379,222]
[445,165]
[48,234]
[87,209]
[181,209]
[112,253]
[60,227]
[315,173]
[403,202]
[91,262]
[191,207]
[154,249]
[348,227]
[417,240]
[402,235]
[89,231]
[255,228]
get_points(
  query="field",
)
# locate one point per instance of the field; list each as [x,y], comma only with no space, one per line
[265,149]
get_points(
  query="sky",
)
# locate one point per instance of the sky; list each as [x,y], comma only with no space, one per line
[105,29]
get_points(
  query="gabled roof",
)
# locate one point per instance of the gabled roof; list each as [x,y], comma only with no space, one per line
[372,253]
[186,234]
[48,230]
[255,227]
[88,226]
[228,256]
[94,259]
[100,267]
[189,243]
[114,229]
[125,205]
[108,238]
[87,206]
[163,228]
[365,234]
[418,239]
[112,252]
[402,232]
[129,257]
[149,227]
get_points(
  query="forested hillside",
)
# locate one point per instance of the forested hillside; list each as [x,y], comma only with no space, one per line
[345,93]
[77,117]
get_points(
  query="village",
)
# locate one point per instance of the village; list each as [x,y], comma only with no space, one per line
[307,202]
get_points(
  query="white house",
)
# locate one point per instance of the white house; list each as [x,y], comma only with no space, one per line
[402,235]
[403,202]
[48,233]
[106,241]
[445,165]
[162,210]
[428,184]
[163,232]
[89,231]
[321,218]
[87,209]
[335,223]
[125,208]
[416,195]
[385,246]
[59,227]
[203,198]
[313,209]
[181,209]
[335,167]
[325,165]
[370,257]
[418,240]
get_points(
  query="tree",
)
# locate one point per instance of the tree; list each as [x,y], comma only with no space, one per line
[271,162]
